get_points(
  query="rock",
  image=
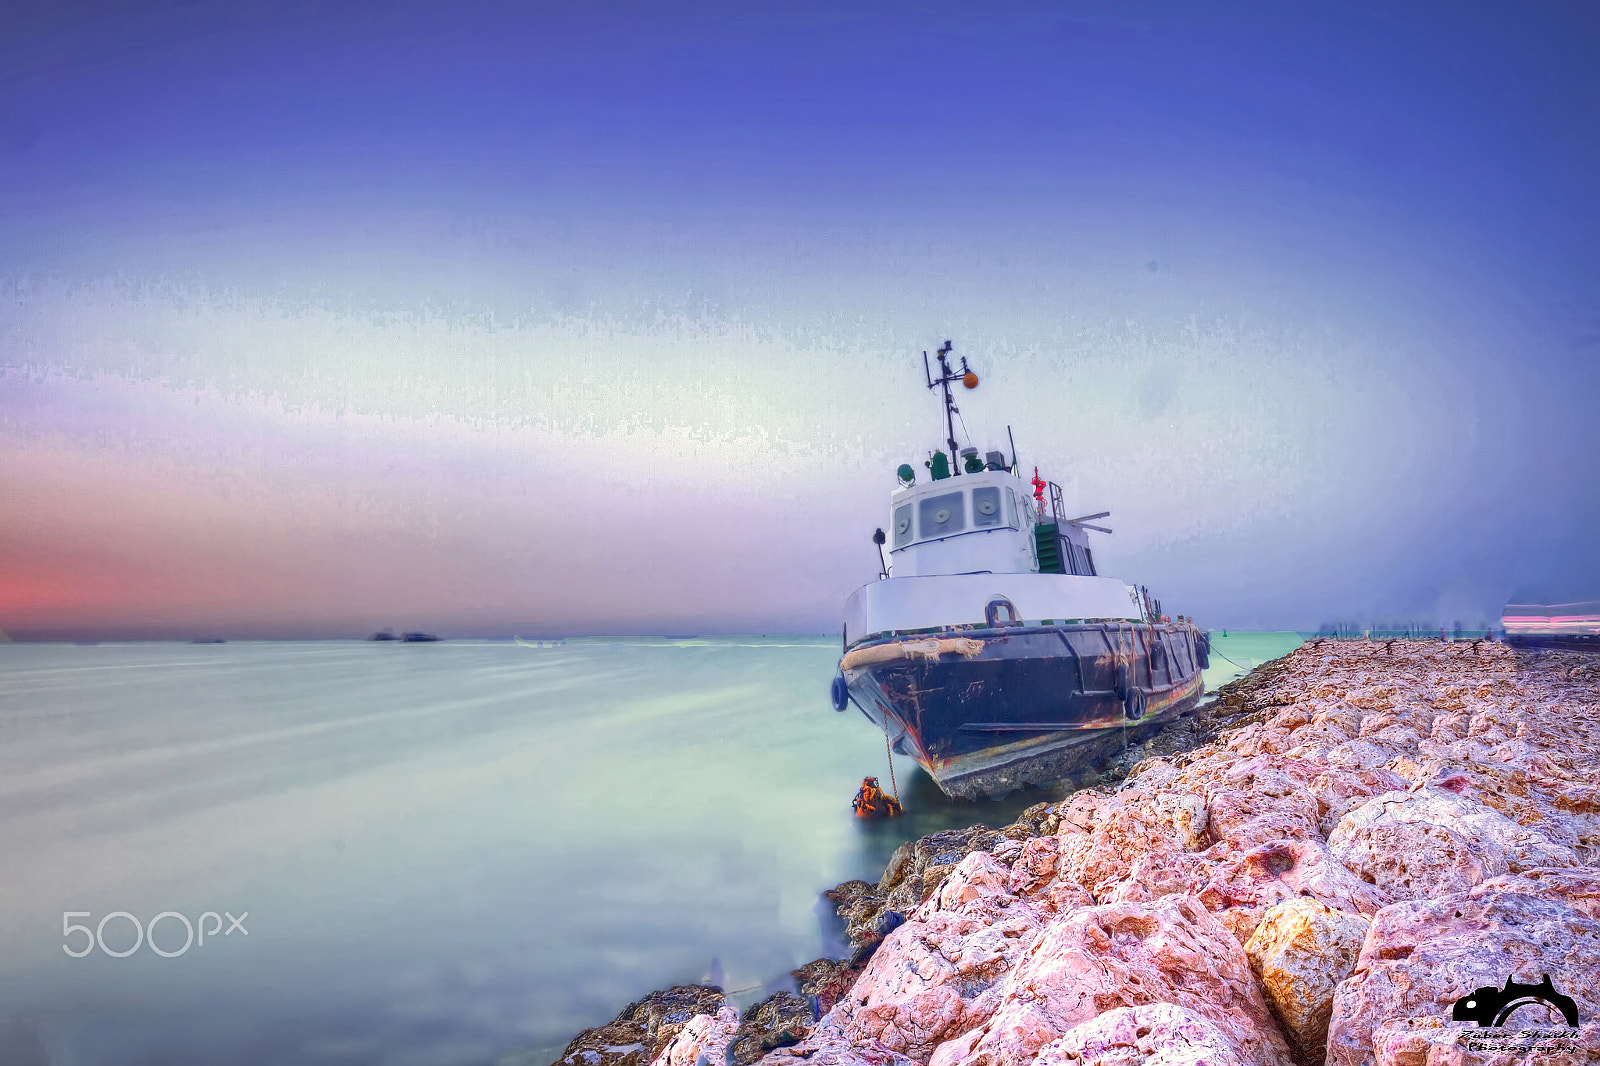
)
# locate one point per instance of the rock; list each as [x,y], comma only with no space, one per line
[829,1046]
[910,876]
[1300,952]
[1098,959]
[643,1030]
[1577,888]
[1041,819]
[882,925]
[1264,798]
[847,893]
[1549,802]
[703,1039]
[1116,834]
[825,980]
[1418,845]
[1338,792]
[780,1020]
[1267,875]
[1153,876]
[936,975]
[1035,868]
[1153,1034]
[1421,956]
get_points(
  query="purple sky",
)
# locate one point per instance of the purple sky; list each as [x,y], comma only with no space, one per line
[570,318]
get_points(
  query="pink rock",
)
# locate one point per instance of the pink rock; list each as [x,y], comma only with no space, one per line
[1242,823]
[1415,845]
[937,975]
[1361,754]
[1123,955]
[1272,873]
[1264,798]
[1120,833]
[1419,957]
[1063,897]
[1033,870]
[1338,792]
[1152,1034]
[1578,888]
[1547,802]
[1241,921]
[1153,876]
[829,1046]
[705,1035]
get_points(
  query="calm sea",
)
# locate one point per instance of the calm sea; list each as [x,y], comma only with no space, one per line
[456,853]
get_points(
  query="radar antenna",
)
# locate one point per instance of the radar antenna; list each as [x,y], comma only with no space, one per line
[946,376]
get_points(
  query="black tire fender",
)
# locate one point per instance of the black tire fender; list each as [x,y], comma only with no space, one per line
[840,692]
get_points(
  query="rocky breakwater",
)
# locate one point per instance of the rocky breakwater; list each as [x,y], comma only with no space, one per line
[1388,828]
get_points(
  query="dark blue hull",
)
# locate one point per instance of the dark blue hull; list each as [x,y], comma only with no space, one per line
[985,711]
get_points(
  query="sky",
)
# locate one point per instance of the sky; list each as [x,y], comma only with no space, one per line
[550,319]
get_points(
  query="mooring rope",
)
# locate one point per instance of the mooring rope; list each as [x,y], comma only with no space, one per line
[1219,655]
[887,750]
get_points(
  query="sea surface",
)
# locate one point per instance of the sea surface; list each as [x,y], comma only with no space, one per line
[423,854]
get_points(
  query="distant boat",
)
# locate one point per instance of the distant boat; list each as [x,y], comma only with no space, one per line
[418,638]
[1560,624]
[208,640]
[384,634]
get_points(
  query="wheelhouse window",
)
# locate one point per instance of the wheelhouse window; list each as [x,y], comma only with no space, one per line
[939,516]
[903,533]
[986,507]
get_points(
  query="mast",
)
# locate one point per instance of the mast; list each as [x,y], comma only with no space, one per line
[946,376]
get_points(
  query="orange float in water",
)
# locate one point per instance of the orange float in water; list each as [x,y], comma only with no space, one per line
[872,802]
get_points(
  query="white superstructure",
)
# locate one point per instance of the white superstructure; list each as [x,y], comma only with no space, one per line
[967,524]
[965,550]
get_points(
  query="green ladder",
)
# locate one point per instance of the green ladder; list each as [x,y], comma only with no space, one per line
[1049,544]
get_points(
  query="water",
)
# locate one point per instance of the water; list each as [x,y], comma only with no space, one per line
[439,854]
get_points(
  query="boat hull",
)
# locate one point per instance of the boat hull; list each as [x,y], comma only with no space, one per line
[988,710]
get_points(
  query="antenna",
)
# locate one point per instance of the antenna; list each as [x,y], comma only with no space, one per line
[946,376]
[1013,441]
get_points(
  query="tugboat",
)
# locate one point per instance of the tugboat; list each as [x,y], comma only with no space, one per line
[990,649]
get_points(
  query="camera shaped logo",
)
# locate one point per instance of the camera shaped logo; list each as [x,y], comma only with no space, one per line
[1490,1006]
